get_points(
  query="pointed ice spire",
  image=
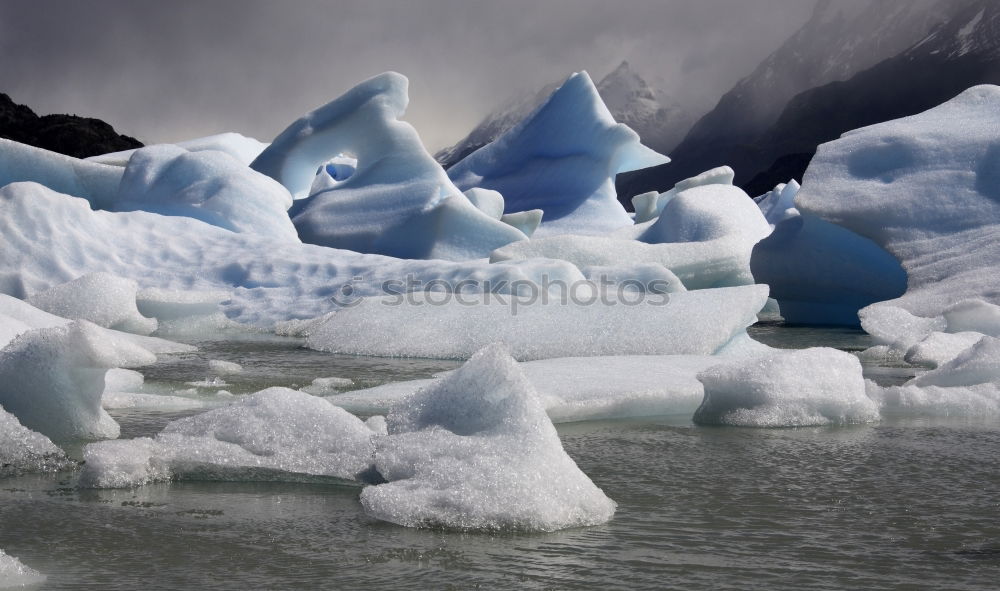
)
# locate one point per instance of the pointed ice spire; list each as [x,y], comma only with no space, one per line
[562,159]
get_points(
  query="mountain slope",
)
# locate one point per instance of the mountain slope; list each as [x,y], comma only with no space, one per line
[839,40]
[963,52]
[66,134]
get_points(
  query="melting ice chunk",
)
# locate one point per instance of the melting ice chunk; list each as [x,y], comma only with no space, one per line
[52,379]
[13,574]
[476,451]
[817,386]
[23,450]
[274,434]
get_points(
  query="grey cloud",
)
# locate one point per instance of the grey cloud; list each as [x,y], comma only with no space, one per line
[165,71]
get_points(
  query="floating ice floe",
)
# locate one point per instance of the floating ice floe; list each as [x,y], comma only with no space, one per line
[52,379]
[210,186]
[454,326]
[324,386]
[125,389]
[817,386]
[101,298]
[476,451]
[244,149]
[275,434]
[927,189]
[23,450]
[580,388]
[820,273]
[472,451]
[968,386]
[705,237]
[14,574]
[562,159]
[399,201]
[224,367]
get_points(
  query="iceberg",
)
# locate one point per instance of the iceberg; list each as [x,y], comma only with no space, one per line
[52,379]
[562,159]
[275,434]
[475,451]
[398,202]
[14,574]
[542,325]
[926,189]
[821,273]
[704,236]
[23,450]
[816,386]
[210,186]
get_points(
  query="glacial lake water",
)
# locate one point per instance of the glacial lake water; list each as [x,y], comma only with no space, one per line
[904,504]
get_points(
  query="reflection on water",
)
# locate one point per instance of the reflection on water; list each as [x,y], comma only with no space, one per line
[902,504]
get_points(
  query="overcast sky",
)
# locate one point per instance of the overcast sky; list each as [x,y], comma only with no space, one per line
[167,71]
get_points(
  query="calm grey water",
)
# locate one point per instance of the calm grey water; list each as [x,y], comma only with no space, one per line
[899,505]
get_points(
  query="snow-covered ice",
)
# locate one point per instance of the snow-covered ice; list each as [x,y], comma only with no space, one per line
[48,238]
[817,386]
[476,451]
[210,186]
[561,159]
[97,183]
[244,149]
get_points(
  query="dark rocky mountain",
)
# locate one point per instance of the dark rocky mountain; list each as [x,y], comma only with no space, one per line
[67,134]
[840,40]
[963,52]
[658,120]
